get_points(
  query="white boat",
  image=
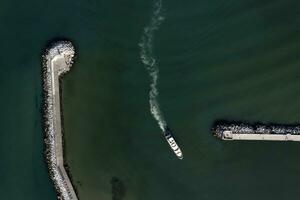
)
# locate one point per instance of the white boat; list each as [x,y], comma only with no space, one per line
[176,149]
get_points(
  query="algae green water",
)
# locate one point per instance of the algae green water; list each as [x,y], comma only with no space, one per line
[235,60]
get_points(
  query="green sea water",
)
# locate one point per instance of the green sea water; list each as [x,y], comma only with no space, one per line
[234,60]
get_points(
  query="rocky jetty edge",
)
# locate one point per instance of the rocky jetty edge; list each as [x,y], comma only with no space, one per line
[57,60]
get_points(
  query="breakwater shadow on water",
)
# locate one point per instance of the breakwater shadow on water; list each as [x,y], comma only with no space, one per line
[66,165]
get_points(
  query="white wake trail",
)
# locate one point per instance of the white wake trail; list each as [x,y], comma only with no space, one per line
[149,61]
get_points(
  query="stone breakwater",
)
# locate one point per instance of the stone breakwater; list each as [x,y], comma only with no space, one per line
[57,60]
[258,131]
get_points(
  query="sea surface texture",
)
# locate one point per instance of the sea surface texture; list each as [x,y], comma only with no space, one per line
[141,64]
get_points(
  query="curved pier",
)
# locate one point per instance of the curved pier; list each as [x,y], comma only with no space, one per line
[57,60]
[244,131]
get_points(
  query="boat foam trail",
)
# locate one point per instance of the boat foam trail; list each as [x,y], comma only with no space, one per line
[148,59]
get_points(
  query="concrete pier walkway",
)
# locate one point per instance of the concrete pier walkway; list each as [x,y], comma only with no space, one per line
[228,135]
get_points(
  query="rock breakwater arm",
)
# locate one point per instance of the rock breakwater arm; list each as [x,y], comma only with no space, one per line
[258,131]
[57,61]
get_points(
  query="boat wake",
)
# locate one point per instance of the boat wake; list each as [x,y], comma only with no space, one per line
[147,57]
[149,61]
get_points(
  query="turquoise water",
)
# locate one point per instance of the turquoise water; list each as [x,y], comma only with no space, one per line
[234,60]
